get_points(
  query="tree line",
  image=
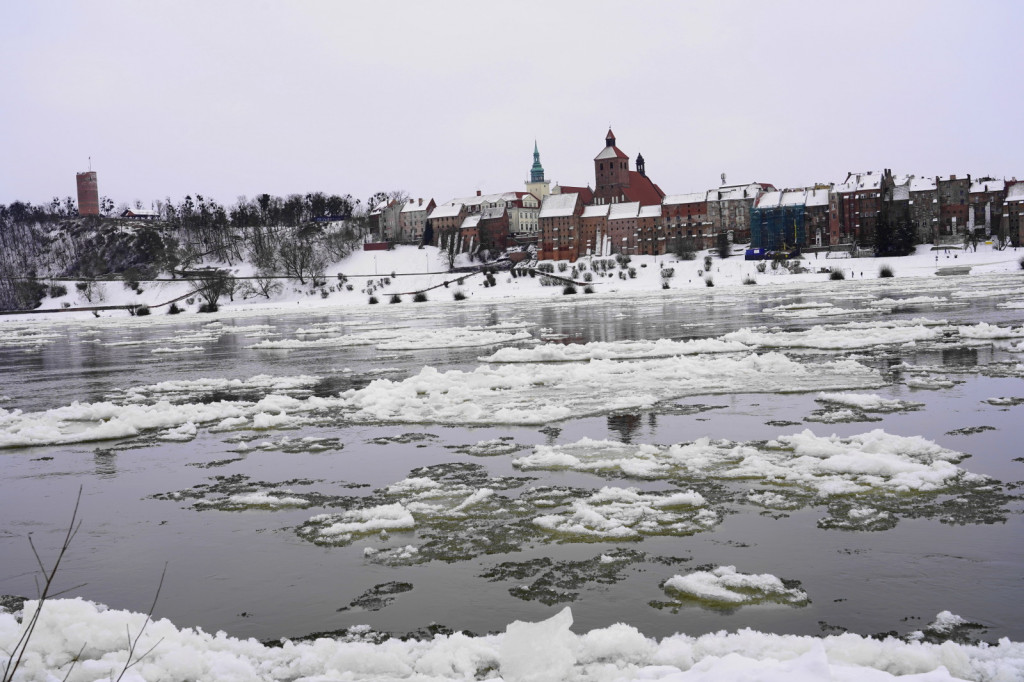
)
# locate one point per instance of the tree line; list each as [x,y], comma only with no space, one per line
[297,235]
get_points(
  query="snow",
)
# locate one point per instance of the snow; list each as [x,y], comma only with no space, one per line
[823,465]
[622,211]
[409,268]
[541,393]
[725,585]
[558,205]
[628,514]
[524,652]
[833,338]
[618,350]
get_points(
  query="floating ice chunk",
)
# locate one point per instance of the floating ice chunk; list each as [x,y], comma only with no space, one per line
[831,338]
[342,528]
[181,349]
[628,513]
[185,432]
[620,350]
[542,393]
[724,585]
[868,402]
[984,330]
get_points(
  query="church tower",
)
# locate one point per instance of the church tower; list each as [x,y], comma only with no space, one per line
[537,185]
[611,168]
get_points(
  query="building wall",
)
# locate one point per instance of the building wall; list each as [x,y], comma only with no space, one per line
[88,193]
[953,194]
[924,214]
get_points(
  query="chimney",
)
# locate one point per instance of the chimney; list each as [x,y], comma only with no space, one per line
[478,192]
[952,177]
[421,201]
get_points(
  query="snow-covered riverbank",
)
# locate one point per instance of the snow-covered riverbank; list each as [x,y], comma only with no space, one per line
[407,269]
[94,636]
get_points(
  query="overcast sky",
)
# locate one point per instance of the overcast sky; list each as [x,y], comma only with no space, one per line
[440,99]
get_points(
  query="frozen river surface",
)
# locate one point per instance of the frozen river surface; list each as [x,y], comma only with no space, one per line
[793,460]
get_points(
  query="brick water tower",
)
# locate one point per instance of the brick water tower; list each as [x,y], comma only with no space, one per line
[88,193]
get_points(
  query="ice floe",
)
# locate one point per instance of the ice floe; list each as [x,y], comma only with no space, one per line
[541,393]
[620,350]
[725,586]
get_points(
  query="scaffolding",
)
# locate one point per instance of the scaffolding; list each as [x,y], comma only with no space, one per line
[777,228]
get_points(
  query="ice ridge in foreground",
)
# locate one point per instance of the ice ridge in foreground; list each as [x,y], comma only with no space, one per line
[548,651]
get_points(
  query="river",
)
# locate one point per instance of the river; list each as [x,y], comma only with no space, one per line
[880,560]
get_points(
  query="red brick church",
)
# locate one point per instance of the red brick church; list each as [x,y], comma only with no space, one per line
[578,221]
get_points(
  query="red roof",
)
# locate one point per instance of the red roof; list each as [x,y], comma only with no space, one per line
[586,194]
[642,189]
[610,135]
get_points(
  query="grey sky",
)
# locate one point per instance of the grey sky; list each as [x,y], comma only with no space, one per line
[440,99]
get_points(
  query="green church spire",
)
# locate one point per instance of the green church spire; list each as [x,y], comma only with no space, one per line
[537,171]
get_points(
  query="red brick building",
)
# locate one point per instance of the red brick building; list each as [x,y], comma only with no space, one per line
[685,216]
[617,184]
[861,201]
[88,193]
[594,231]
[560,227]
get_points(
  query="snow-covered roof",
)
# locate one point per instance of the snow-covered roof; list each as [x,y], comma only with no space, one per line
[597,211]
[558,205]
[691,198]
[859,182]
[988,186]
[653,211]
[817,196]
[1015,192]
[623,211]
[140,213]
[413,205]
[735,192]
[769,200]
[472,220]
[922,184]
[492,212]
[446,211]
[612,152]
[901,192]
[793,197]
[478,199]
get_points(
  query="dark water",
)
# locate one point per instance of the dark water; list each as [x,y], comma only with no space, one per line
[250,574]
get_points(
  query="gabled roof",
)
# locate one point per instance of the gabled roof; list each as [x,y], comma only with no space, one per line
[623,211]
[643,190]
[559,205]
[586,194]
[412,206]
[691,198]
[596,211]
[446,211]
[492,213]
[612,152]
